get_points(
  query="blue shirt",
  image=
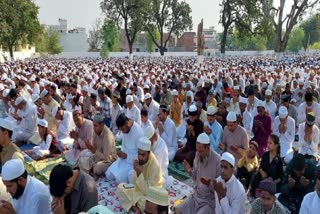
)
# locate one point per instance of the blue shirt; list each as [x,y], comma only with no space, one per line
[215,136]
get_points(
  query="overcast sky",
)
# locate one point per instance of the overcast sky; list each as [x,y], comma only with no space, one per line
[83,13]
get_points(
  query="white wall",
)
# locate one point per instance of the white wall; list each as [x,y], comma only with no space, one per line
[17,55]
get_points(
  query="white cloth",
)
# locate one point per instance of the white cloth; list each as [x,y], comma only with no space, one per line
[169,135]
[153,110]
[122,169]
[28,124]
[315,107]
[43,148]
[160,151]
[310,204]
[36,198]
[286,139]
[310,148]
[134,114]
[247,121]
[271,108]
[235,199]
[4,195]
[65,126]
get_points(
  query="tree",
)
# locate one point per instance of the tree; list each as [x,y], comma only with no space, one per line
[94,38]
[109,37]
[284,23]
[149,41]
[295,40]
[315,46]
[171,16]
[19,23]
[242,14]
[311,28]
[126,12]
[53,43]
[41,44]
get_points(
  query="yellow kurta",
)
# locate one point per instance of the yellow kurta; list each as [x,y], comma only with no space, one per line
[48,115]
[175,113]
[151,176]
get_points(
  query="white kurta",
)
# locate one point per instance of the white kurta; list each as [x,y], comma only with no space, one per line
[36,198]
[160,151]
[122,169]
[310,204]
[28,124]
[235,200]
[169,135]
[64,127]
[315,108]
[134,114]
[286,139]
[153,110]
[271,108]
[310,148]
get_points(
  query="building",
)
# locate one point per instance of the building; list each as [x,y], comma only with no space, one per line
[187,42]
[211,38]
[72,40]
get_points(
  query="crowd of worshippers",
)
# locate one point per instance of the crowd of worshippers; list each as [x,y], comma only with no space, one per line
[244,129]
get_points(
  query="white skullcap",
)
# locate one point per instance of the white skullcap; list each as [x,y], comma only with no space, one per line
[232,117]
[260,104]
[146,86]
[203,138]
[211,110]
[35,97]
[129,98]
[236,87]
[243,100]
[144,144]
[6,124]
[32,79]
[199,84]
[293,100]
[264,85]
[85,88]
[5,92]
[192,108]
[54,111]
[147,96]
[283,112]
[268,92]
[174,92]
[19,100]
[149,131]
[128,91]
[43,123]
[301,82]
[228,157]
[44,93]
[12,169]
[189,94]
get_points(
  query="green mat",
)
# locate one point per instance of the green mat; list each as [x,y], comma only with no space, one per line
[176,170]
[41,169]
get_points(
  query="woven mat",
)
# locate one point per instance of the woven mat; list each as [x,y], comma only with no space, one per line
[176,170]
[107,194]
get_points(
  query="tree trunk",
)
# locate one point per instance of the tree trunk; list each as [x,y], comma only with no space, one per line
[11,52]
[130,47]
[162,50]
[223,41]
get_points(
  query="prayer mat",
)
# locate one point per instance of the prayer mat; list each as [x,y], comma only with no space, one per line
[107,194]
[41,169]
[176,170]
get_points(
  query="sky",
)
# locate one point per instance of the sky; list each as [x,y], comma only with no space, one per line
[83,13]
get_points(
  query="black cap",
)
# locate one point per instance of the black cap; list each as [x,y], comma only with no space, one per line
[121,120]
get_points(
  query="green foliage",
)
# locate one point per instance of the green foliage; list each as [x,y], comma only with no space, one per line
[295,39]
[315,46]
[110,37]
[311,28]
[171,16]
[41,44]
[149,41]
[19,23]
[127,13]
[53,43]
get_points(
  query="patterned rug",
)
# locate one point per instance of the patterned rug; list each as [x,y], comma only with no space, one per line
[108,197]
